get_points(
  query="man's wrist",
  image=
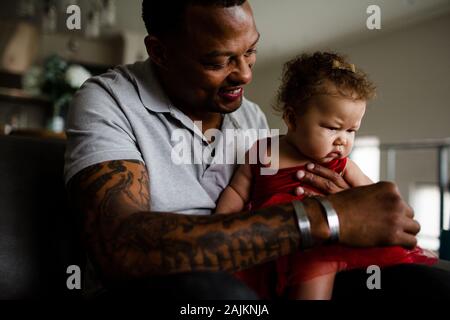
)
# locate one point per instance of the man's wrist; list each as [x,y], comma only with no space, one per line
[319,226]
[332,217]
[304,226]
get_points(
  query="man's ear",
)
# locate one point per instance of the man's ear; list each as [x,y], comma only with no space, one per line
[290,118]
[156,50]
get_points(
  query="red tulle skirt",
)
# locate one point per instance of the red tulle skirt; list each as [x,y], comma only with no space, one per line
[274,277]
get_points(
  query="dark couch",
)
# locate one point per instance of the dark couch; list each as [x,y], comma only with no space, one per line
[38,232]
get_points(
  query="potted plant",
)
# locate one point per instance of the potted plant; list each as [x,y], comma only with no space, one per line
[58,80]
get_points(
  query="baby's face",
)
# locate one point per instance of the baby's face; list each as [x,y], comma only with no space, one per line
[326,130]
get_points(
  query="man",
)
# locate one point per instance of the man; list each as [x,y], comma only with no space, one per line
[148,226]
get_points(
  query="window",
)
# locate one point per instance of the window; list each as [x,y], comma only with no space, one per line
[366,154]
[424,198]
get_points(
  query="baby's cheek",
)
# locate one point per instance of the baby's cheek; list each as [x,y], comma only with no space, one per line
[349,146]
[310,150]
[317,146]
[321,150]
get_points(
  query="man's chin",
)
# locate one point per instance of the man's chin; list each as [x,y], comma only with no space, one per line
[228,107]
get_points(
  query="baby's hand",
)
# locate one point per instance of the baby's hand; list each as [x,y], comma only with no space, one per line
[323,179]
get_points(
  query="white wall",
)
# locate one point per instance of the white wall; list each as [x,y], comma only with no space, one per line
[411,68]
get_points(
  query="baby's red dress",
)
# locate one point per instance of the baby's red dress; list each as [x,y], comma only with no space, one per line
[272,278]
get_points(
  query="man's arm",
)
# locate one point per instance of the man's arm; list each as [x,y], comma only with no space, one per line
[126,240]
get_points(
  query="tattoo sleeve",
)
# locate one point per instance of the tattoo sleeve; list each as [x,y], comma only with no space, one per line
[127,240]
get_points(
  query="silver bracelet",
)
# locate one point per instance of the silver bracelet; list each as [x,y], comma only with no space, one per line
[332,218]
[303,224]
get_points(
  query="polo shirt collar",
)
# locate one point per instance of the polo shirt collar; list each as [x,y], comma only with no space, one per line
[150,91]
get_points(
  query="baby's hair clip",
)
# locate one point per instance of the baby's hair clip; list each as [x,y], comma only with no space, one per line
[338,65]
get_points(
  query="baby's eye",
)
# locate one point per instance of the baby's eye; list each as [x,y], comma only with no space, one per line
[332,128]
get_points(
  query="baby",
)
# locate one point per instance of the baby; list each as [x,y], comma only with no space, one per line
[323,99]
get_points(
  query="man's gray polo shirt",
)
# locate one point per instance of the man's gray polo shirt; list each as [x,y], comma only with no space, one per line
[124,114]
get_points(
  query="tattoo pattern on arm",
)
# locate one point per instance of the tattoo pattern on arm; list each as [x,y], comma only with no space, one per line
[183,243]
[121,231]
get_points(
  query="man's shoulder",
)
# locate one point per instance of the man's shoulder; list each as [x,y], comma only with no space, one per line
[106,96]
[116,80]
[118,87]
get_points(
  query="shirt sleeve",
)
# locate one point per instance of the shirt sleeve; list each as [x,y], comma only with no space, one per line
[97,129]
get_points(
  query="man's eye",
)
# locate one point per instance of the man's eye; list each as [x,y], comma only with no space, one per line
[250,52]
[215,66]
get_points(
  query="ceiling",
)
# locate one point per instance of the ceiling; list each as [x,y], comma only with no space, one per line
[290,26]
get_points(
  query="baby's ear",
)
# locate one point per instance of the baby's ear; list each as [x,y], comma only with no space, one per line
[289,118]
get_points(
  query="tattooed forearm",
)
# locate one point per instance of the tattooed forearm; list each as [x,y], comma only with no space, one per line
[127,240]
[160,243]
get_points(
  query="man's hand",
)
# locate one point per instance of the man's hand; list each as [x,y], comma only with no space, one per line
[126,240]
[375,215]
[323,179]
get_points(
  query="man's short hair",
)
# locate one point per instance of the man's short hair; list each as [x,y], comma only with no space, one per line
[163,17]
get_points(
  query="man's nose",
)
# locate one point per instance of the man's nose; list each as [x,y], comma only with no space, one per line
[242,73]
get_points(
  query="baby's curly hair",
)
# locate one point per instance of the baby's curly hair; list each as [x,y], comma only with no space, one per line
[309,75]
